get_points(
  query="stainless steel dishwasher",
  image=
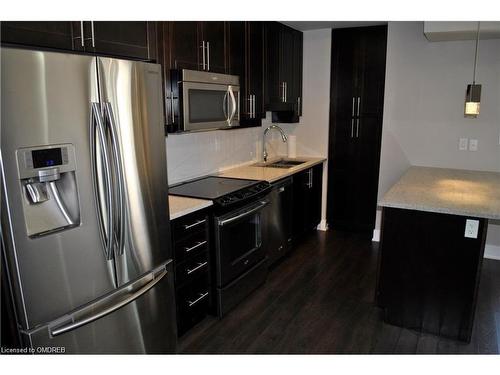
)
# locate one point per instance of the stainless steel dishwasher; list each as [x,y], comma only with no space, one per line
[277,230]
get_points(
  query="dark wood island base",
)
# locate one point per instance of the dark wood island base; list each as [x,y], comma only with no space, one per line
[428,275]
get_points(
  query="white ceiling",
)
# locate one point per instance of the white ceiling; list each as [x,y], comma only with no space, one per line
[314,25]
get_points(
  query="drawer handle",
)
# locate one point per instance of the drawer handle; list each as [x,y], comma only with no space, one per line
[200,243]
[189,226]
[200,265]
[202,295]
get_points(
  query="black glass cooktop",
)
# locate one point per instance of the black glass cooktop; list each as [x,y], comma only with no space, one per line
[211,187]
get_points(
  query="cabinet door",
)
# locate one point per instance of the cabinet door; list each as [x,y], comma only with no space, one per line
[236,40]
[183,45]
[214,33]
[45,34]
[343,148]
[371,72]
[132,39]
[287,55]
[255,66]
[273,89]
[302,202]
[296,84]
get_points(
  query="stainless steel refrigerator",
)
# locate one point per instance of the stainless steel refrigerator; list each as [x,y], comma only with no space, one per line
[85,225]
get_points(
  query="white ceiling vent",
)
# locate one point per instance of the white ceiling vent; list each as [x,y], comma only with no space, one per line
[439,31]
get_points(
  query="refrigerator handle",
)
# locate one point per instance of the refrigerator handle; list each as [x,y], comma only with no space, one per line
[107,237]
[108,304]
[118,172]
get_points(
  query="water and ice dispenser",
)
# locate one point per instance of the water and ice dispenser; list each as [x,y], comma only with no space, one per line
[49,188]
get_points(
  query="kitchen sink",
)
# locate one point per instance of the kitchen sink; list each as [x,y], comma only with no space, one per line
[282,163]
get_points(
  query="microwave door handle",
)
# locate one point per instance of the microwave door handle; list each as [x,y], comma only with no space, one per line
[224,106]
[233,101]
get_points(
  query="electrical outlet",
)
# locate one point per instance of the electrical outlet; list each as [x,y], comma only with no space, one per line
[473,144]
[471,228]
[463,143]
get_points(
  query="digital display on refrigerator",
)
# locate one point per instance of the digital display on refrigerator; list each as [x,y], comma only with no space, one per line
[48,157]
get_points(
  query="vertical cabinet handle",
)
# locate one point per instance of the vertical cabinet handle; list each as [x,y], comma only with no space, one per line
[357,119]
[352,127]
[208,55]
[81,34]
[172,106]
[286,91]
[253,106]
[92,31]
[203,53]
[299,109]
[353,105]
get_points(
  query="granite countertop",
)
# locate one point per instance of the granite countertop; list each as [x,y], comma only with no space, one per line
[451,191]
[180,206]
[253,172]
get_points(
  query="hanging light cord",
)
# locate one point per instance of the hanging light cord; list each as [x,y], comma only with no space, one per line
[475,54]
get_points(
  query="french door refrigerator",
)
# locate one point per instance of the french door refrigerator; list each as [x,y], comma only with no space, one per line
[85,225]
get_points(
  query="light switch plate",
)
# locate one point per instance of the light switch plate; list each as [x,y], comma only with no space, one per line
[471,228]
[473,144]
[463,143]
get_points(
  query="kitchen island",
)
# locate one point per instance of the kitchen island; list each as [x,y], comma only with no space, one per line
[434,224]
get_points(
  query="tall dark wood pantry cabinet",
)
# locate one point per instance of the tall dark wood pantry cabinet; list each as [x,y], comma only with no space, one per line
[356,109]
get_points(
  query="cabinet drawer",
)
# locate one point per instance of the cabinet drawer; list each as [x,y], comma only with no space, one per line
[186,226]
[192,269]
[191,246]
[193,302]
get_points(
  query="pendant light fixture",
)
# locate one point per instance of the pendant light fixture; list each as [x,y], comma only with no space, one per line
[473,93]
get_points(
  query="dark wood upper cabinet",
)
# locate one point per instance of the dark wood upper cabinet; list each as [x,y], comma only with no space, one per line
[356,108]
[246,59]
[134,40]
[284,54]
[44,34]
[213,34]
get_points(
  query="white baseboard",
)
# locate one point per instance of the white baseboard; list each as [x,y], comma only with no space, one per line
[490,251]
[323,226]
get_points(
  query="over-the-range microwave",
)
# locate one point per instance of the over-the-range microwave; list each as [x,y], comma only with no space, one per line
[206,101]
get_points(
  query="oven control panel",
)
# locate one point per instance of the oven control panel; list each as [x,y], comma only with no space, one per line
[243,195]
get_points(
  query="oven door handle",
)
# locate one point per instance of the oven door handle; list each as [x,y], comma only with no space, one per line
[244,214]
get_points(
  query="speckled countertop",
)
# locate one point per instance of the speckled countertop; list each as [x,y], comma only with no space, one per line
[451,191]
[253,172]
[180,206]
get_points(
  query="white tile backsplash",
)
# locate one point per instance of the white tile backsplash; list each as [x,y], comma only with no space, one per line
[192,155]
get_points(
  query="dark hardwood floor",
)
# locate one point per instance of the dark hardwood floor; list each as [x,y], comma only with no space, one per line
[320,299]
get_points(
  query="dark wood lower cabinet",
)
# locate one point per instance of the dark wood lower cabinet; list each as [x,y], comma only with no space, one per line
[307,191]
[191,239]
[429,271]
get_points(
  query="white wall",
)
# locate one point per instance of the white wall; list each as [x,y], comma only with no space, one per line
[198,154]
[423,108]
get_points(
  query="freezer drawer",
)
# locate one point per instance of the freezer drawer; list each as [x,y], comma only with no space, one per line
[143,321]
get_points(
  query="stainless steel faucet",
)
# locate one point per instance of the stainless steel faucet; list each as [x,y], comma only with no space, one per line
[283,137]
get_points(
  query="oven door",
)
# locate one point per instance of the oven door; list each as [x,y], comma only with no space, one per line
[207,106]
[238,241]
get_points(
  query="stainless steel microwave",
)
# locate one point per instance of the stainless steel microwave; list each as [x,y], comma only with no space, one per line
[207,101]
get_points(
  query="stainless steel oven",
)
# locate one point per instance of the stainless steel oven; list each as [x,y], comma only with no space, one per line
[238,241]
[207,100]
